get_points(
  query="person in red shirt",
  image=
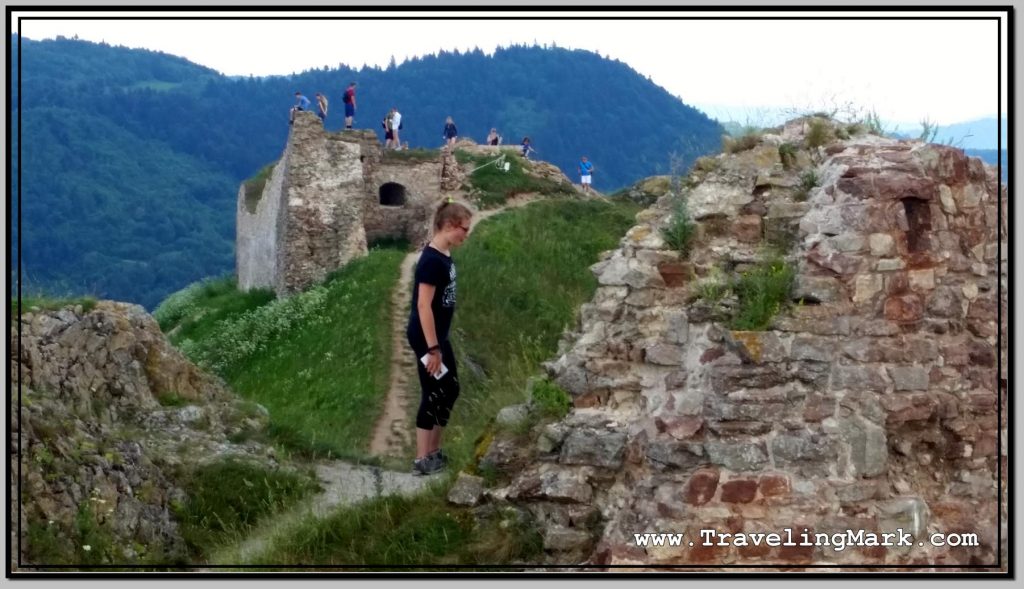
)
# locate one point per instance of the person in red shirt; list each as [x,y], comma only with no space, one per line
[350,105]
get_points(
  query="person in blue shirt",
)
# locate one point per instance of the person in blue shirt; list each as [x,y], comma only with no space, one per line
[586,169]
[301,103]
[450,132]
[526,147]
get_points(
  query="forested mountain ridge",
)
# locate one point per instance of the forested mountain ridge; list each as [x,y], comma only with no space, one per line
[131,159]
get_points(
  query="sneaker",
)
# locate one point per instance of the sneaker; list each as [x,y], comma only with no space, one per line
[427,465]
[439,453]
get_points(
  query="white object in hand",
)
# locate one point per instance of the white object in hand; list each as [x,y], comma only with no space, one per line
[442,372]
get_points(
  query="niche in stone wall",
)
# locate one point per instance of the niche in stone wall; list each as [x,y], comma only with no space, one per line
[919,223]
[392,194]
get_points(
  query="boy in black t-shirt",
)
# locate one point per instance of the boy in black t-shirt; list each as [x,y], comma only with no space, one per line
[433,306]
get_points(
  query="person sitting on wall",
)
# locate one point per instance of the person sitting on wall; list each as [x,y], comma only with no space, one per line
[301,103]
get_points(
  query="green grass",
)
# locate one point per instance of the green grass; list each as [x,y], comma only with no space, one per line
[744,142]
[47,303]
[228,498]
[494,186]
[522,275]
[194,312]
[254,186]
[549,400]
[419,154]
[808,180]
[787,155]
[706,164]
[681,230]
[818,134]
[763,291]
[422,531]
[318,360]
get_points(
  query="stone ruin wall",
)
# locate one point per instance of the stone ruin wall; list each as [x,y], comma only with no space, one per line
[872,406]
[323,202]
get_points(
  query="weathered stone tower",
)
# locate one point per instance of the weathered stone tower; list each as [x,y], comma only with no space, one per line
[873,405]
[328,195]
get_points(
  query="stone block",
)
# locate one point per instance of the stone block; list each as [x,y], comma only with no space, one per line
[594,447]
[512,416]
[730,378]
[907,308]
[701,487]
[817,289]
[677,328]
[674,453]
[674,274]
[909,378]
[890,264]
[819,407]
[857,378]
[866,286]
[810,454]
[562,486]
[773,485]
[560,538]
[737,456]
[664,354]
[848,242]
[747,229]
[869,453]
[629,272]
[681,427]
[757,346]
[739,491]
[467,490]
[881,244]
[818,349]
[922,279]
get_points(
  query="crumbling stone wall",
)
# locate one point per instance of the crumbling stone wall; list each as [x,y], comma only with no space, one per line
[870,406]
[420,181]
[321,205]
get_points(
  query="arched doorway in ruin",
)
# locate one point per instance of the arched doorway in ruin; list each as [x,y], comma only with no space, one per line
[392,194]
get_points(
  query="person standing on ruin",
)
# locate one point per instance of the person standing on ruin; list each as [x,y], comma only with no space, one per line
[451,133]
[493,138]
[389,135]
[430,319]
[321,108]
[396,126]
[350,105]
[527,147]
[586,170]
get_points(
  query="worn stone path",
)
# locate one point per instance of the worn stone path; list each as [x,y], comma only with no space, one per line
[392,435]
[343,484]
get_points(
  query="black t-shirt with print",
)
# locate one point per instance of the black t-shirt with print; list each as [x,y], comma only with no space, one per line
[439,270]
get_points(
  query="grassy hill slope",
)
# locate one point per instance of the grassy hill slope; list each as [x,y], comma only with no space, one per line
[320,366]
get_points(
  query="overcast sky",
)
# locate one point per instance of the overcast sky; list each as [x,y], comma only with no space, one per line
[732,69]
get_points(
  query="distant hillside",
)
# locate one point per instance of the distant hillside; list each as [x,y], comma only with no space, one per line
[976,134]
[143,151]
[989,157]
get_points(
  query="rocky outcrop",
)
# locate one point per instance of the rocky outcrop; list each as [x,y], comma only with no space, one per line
[871,405]
[111,419]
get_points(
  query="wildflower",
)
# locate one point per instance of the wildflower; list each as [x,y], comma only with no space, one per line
[86,547]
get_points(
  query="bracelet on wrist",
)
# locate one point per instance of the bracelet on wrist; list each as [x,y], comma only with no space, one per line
[436,348]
